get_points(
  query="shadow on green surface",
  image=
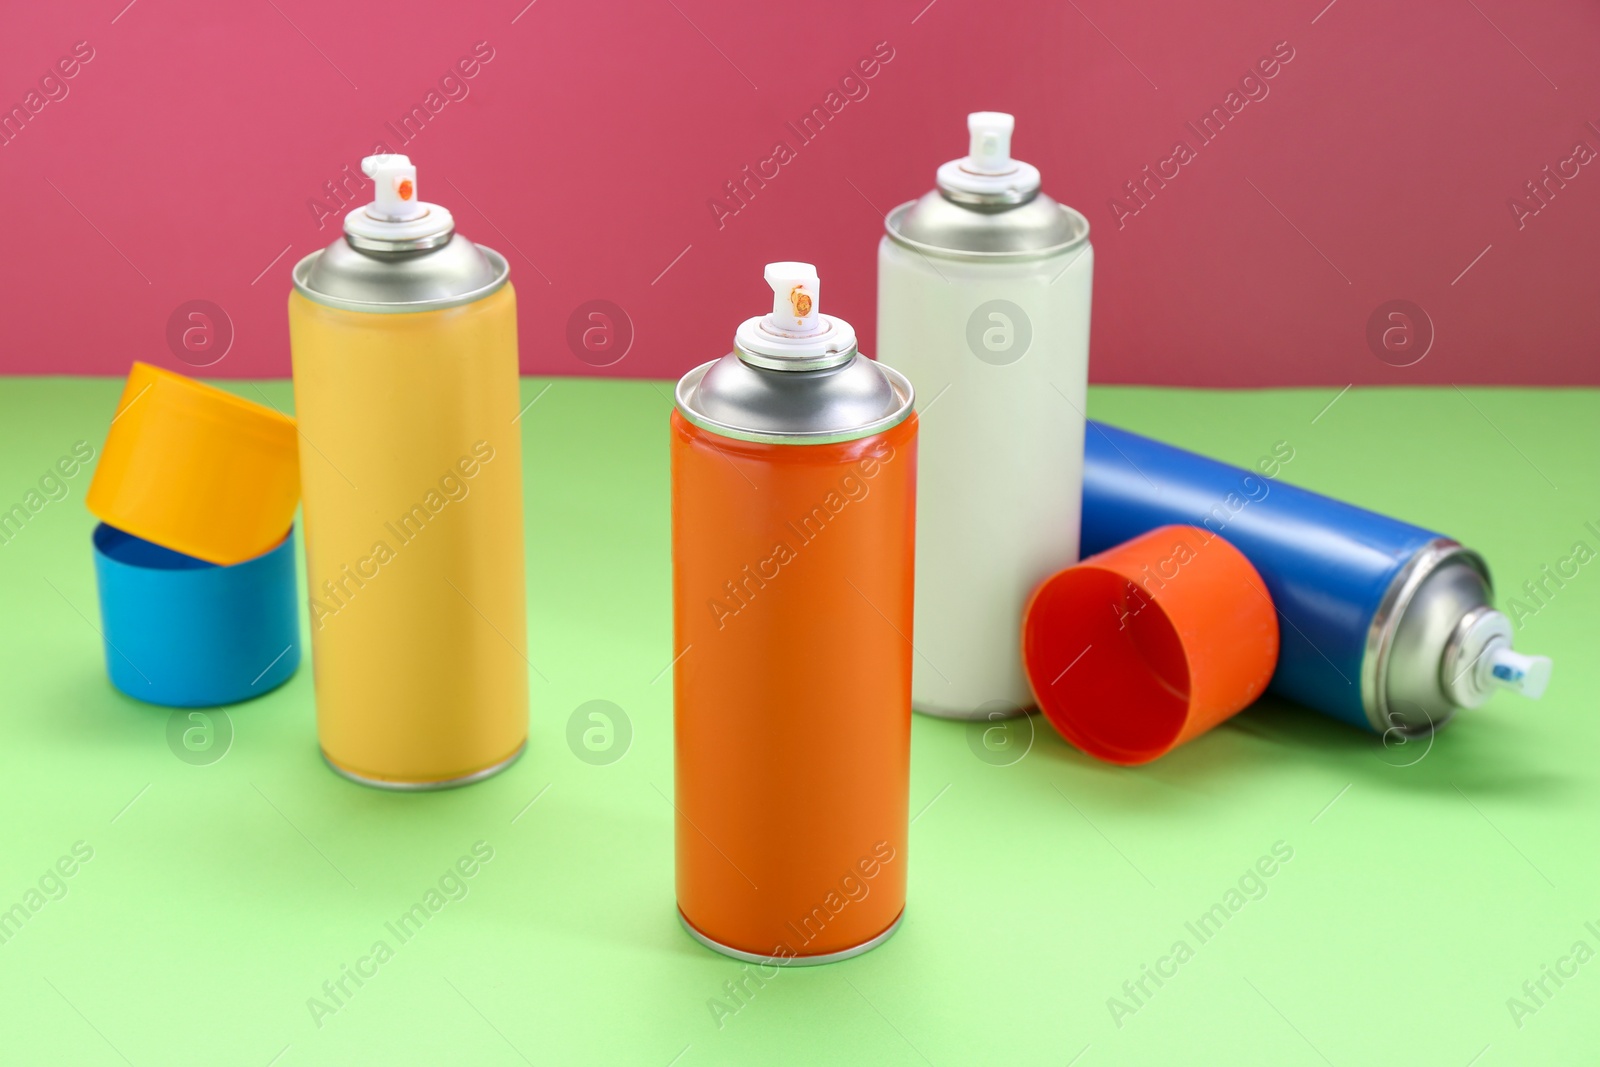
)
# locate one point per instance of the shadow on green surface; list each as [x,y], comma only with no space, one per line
[1481,752]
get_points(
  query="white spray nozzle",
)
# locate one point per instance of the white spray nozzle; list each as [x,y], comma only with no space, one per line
[396,197]
[987,174]
[795,296]
[1527,675]
[990,152]
[1479,659]
[794,335]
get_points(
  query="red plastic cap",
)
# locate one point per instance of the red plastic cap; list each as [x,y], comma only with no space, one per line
[1149,644]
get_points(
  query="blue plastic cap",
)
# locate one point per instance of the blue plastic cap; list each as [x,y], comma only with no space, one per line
[185,633]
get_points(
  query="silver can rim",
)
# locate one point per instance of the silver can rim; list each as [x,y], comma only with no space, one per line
[970,715]
[1386,623]
[430,786]
[502,274]
[791,961]
[891,223]
[897,381]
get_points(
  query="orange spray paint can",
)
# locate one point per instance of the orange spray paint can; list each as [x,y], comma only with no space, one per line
[793,525]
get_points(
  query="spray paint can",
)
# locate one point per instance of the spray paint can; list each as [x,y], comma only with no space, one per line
[1385,625]
[793,512]
[404,337]
[983,302]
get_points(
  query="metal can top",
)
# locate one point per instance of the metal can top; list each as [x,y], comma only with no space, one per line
[987,205]
[1437,644]
[1402,674]
[399,254]
[939,226]
[794,376]
[457,272]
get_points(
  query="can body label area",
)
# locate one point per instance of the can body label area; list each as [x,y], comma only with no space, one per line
[792,580]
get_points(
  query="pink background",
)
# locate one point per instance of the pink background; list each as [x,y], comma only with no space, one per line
[180,163]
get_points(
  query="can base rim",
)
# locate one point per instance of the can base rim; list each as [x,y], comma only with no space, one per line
[431,785]
[974,714]
[791,961]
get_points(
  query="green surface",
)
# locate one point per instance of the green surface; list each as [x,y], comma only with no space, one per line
[1426,884]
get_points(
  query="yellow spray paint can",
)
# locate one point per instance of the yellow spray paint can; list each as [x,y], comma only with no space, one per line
[404,338]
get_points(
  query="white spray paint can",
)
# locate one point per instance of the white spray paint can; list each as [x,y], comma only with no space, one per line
[983,302]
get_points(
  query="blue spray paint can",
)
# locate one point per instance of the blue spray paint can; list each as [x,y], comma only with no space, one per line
[1385,625]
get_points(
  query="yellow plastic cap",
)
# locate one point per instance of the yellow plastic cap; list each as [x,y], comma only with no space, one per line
[196,469]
